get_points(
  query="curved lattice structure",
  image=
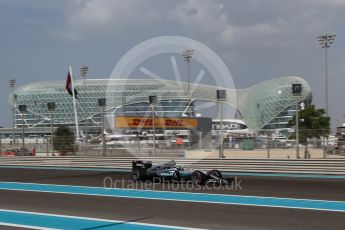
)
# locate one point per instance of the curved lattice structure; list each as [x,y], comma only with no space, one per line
[258,104]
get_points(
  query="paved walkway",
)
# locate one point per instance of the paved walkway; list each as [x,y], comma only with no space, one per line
[246,154]
[258,153]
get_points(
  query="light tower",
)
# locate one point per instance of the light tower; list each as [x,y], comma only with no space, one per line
[296,94]
[12,83]
[82,71]
[101,105]
[23,111]
[153,104]
[51,108]
[325,41]
[187,56]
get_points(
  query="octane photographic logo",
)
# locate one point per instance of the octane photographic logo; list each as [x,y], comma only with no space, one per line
[234,184]
[182,74]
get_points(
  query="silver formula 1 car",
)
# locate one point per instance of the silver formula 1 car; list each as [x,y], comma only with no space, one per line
[170,171]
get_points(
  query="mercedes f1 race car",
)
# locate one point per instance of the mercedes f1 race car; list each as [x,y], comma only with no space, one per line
[169,171]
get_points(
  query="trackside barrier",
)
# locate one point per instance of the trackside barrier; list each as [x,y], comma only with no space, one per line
[322,166]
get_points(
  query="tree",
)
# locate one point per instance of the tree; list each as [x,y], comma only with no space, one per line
[312,123]
[64,140]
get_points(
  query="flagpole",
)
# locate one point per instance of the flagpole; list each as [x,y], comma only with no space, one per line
[74,105]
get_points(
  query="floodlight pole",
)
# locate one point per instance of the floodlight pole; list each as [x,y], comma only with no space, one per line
[51,132]
[296,94]
[51,109]
[153,103]
[325,41]
[82,71]
[297,131]
[12,83]
[22,110]
[23,140]
[221,95]
[101,104]
[103,134]
[187,56]
[221,147]
[154,130]
[268,145]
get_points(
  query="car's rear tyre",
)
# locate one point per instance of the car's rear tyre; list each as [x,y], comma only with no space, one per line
[216,173]
[137,175]
[198,178]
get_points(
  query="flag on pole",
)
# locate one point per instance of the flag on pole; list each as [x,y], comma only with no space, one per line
[72,91]
[69,86]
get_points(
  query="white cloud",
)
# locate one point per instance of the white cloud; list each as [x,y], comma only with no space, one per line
[217,22]
[89,17]
[204,19]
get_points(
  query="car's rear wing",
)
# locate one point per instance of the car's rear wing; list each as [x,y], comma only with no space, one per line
[141,165]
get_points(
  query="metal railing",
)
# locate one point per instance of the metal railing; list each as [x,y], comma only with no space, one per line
[322,166]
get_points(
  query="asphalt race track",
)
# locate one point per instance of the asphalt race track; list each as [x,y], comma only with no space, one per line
[172,212]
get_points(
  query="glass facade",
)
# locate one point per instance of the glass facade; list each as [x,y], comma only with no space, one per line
[259,105]
[281,122]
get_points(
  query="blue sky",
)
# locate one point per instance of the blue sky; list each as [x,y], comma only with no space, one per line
[257,40]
